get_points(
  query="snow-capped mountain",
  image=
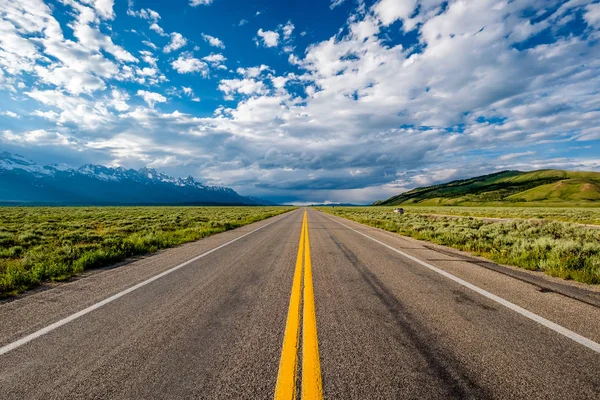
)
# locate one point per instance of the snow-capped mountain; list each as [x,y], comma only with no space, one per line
[23,181]
[9,162]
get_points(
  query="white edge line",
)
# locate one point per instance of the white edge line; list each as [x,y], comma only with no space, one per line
[26,339]
[590,344]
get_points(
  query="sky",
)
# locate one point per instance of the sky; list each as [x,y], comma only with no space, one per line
[303,101]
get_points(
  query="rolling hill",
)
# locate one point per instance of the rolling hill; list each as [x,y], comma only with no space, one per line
[543,187]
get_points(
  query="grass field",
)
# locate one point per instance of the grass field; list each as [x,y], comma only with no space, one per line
[558,248]
[580,215]
[39,244]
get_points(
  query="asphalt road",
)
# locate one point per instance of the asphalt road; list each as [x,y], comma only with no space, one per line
[388,326]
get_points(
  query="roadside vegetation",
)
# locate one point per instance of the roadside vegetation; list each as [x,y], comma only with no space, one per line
[558,248]
[580,215]
[40,244]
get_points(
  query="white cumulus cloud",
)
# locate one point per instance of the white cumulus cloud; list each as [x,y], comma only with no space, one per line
[11,114]
[187,63]
[216,60]
[269,38]
[213,41]
[151,97]
[144,13]
[196,3]
[389,11]
[177,42]
[242,86]
[287,29]
[592,14]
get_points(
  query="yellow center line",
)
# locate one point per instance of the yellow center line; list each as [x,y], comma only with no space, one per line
[312,387]
[286,378]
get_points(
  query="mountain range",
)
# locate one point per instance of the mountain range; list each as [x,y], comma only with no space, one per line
[542,187]
[22,181]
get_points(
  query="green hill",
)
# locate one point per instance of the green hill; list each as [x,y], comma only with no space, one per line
[543,187]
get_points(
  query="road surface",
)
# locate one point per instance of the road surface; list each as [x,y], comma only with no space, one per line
[392,319]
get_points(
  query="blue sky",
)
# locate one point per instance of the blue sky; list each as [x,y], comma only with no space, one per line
[303,101]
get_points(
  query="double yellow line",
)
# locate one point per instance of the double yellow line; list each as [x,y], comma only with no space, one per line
[312,388]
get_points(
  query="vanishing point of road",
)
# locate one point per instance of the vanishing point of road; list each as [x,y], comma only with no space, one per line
[302,305]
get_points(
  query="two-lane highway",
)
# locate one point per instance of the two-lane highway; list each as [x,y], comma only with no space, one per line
[392,319]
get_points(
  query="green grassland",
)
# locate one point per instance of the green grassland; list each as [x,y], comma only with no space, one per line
[561,249]
[580,215]
[536,188]
[40,244]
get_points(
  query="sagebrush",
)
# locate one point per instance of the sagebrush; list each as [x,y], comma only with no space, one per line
[39,244]
[562,249]
[580,215]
